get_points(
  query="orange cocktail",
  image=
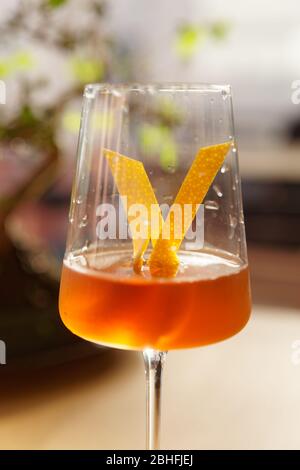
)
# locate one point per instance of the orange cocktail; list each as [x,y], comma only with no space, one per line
[207,301]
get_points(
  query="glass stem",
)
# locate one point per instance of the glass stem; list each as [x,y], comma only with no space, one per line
[154,361]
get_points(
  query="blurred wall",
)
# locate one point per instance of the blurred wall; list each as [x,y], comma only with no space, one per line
[260,57]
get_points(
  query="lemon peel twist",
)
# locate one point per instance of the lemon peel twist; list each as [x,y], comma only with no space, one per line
[163,260]
[132,181]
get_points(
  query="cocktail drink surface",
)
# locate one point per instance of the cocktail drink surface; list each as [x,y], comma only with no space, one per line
[108,303]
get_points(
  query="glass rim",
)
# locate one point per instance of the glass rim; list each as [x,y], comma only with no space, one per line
[91,89]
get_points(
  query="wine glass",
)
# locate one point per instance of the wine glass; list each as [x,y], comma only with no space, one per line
[125,283]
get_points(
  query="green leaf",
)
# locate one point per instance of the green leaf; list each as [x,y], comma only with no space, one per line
[151,137]
[219,30]
[56,3]
[188,40]
[27,117]
[158,139]
[17,62]
[21,60]
[103,121]
[168,110]
[168,155]
[87,70]
[71,121]
[4,69]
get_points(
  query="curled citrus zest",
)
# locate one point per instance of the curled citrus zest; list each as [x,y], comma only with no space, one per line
[163,261]
[133,183]
[135,189]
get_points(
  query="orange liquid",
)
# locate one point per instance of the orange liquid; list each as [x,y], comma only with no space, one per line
[208,301]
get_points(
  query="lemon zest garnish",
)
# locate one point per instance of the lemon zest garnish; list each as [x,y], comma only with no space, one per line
[133,183]
[163,261]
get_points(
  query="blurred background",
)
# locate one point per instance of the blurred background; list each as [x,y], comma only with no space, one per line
[48,50]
